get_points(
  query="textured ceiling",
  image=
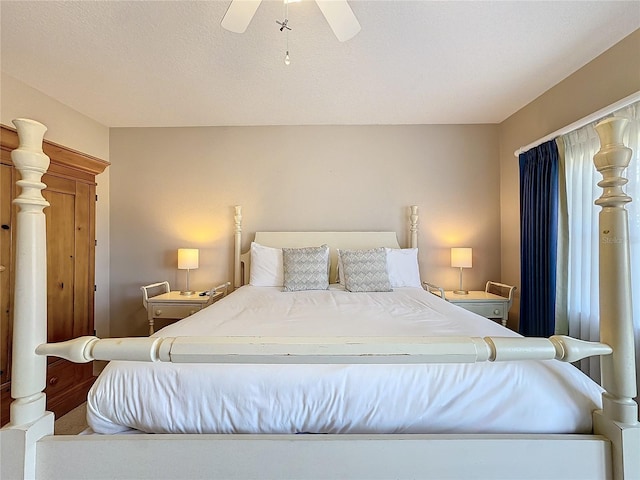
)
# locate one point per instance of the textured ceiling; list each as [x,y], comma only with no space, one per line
[150,63]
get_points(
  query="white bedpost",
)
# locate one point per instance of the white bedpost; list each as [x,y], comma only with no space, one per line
[413,229]
[29,421]
[237,271]
[618,419]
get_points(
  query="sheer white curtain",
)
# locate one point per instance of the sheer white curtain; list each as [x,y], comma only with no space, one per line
[582,276]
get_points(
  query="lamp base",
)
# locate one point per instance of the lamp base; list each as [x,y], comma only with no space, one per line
[461,292]
[187,292]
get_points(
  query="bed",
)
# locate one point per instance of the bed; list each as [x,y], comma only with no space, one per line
[566,428]
[422,398]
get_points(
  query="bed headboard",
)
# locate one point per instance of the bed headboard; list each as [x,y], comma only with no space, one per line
[335,240]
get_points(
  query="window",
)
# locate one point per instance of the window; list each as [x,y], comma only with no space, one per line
[580,239]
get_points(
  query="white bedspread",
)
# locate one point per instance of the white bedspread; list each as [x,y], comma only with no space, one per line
[515,397]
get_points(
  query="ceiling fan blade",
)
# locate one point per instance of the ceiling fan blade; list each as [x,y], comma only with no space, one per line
[340,17]
[239,15]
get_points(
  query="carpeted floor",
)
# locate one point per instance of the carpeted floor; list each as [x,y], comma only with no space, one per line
[73,422]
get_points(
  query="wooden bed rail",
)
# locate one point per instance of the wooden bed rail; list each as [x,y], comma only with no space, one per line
[616,314]
[303,350]
[29,372]
[618,419]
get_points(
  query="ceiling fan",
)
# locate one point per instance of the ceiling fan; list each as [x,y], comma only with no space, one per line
[337,12]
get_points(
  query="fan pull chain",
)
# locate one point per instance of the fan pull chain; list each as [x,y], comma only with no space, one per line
[287,58]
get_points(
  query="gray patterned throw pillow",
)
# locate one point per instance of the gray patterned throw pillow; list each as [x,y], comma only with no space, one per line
[365,270]
[306,268]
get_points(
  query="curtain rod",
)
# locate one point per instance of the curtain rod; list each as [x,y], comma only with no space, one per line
[603,112]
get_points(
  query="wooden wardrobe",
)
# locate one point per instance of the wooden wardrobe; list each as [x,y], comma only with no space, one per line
[71,192]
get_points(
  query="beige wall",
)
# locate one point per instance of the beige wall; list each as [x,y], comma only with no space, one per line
[68,127]
[176,187]
[608,78]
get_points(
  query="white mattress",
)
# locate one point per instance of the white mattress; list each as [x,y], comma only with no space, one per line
[515,397]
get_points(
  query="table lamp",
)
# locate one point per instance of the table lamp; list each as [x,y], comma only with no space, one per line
[461,258]
[187,260]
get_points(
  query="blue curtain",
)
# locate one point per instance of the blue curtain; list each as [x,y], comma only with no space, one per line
[538,239]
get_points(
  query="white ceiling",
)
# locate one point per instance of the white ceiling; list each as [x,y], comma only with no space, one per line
[150,63]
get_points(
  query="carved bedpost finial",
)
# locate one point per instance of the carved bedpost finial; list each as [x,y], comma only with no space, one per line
[31,162]
[611,161]
[29,370]
[616,317]
[413,217]
[237,270]
[238,219]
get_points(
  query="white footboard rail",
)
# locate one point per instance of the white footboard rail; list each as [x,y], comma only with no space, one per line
[29,451]
[303,350]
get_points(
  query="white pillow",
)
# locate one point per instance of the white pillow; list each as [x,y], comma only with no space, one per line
[267,268]
[402,266]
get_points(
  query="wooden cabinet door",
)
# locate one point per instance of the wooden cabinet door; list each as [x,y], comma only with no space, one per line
[70,254]
[70,290]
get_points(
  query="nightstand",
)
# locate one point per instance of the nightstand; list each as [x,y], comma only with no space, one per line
[485,303]
[174,306]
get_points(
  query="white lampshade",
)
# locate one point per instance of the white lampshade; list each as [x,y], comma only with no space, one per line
[461,257]
[187,258]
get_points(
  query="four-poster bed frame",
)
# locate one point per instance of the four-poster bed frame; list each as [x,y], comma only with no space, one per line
[30,450]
